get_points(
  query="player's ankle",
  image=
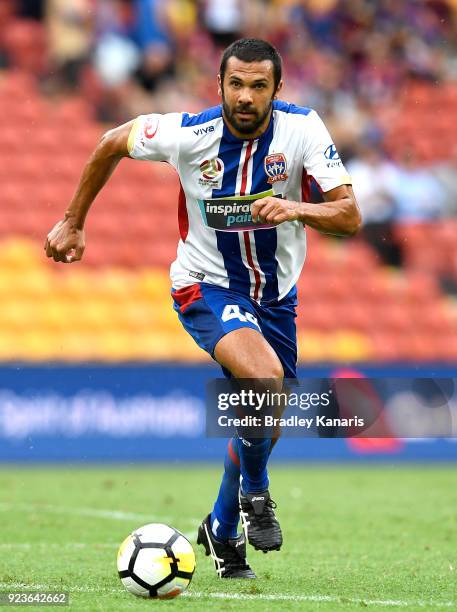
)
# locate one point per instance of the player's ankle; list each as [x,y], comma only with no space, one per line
[221,531]
[253,490]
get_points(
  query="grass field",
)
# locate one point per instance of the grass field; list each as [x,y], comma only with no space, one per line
[377,537]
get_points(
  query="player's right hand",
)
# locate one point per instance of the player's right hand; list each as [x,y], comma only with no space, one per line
[65,242]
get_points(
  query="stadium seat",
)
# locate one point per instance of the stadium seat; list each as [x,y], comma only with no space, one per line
[421,288]
[355,315]
[313,346]
[25,43]
[150,281]
[322,317]
[349,346]
[391,346]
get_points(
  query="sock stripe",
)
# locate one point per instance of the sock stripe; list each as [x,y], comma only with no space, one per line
[233,456]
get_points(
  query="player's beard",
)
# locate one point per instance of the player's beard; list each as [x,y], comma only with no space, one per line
[246,127]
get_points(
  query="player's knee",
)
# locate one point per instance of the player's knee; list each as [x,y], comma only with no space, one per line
[275,370]
[269,374]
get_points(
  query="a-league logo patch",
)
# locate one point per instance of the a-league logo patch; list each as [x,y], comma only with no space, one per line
[276,167]
[212,171]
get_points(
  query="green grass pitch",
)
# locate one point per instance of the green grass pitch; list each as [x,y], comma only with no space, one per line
[375,536]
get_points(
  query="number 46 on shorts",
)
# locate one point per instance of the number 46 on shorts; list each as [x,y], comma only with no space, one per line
[232,311]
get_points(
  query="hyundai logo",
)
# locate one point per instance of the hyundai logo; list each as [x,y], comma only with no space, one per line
[331,153]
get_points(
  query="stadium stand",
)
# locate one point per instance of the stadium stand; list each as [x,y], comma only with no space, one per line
[115,305]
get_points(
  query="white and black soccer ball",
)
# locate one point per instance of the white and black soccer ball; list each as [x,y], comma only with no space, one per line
[156,561]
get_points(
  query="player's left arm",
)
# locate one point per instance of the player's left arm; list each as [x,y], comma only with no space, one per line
[339,214]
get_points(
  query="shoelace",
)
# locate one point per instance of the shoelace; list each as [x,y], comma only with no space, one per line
[265,519]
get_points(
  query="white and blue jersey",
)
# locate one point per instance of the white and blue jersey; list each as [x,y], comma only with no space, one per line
[221,175]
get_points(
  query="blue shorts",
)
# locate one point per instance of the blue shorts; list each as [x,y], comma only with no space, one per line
[208,312]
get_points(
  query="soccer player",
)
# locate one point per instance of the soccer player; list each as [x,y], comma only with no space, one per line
[244,168]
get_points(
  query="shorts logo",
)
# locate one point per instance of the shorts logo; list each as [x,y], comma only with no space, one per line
[198,275]
[276,167]
[212,171]
[150,128]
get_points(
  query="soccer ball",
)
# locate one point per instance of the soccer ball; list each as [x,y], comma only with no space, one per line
[156,561]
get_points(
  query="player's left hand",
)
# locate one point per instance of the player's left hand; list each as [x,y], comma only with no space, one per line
[274,210]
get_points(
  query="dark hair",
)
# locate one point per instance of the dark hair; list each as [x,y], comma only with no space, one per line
[253,50]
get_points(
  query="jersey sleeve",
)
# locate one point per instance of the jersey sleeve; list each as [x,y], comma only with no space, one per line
[155,137]
[321,159]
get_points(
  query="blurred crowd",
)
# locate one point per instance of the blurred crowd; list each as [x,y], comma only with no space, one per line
[346,58]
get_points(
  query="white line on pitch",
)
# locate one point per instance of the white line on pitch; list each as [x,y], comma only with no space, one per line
[55,546]
[49,587]
[68,545]
[320,598]
[116,515]
[249,597]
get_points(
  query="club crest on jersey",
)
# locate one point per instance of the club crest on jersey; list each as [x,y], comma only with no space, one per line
[276,167]
[212,171]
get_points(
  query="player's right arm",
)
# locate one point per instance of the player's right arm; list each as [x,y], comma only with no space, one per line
[150,137]
[66,241]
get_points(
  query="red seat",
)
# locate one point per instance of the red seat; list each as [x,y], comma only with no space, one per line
[354,315]
[71,114]
[393,317]
[422,287]
[318,316]
[25,43]
[386,346]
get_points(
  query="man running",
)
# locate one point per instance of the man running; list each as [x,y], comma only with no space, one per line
[244,168]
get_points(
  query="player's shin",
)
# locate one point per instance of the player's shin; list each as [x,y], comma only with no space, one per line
[254,454]
[225,514]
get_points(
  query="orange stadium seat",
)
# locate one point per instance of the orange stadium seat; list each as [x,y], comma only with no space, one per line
[349,346]
[17,85]
[434,319]
[322,317]
[393,317]
[11,144]
[47,141]
[354,314]
[422,287]
[368,289]
[411,123]
[384,346]
[313,346]
[25,43]
[445,348]
[72,112]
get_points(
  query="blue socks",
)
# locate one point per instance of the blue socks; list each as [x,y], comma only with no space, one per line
[225,514]
[248,458]
[254,454]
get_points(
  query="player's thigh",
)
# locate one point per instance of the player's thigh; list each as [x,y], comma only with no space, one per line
[226,325]
[245,353]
